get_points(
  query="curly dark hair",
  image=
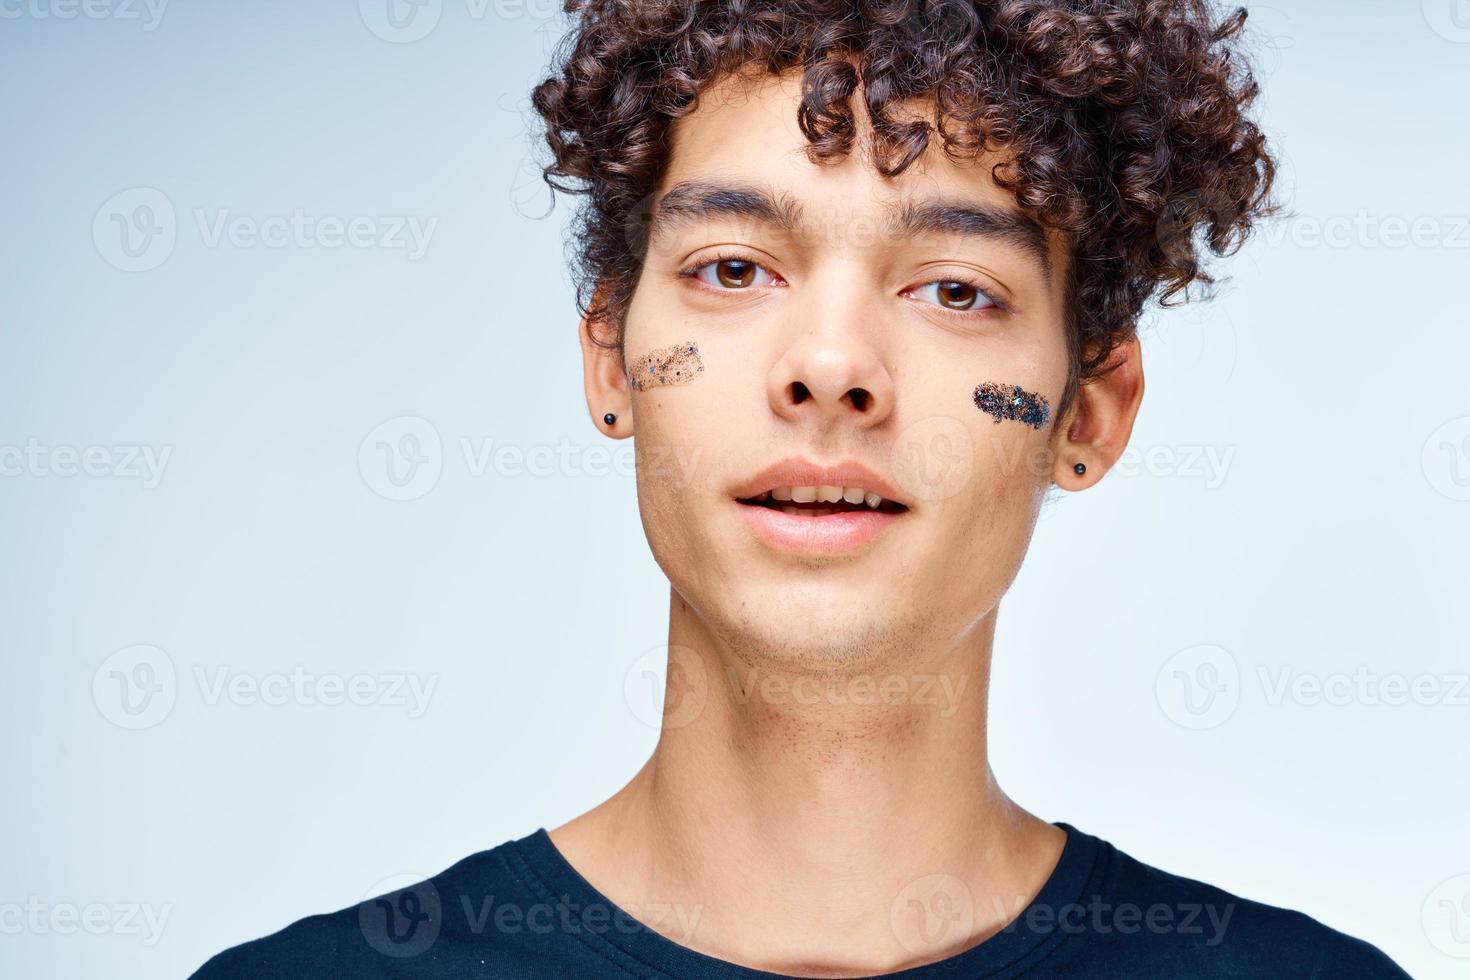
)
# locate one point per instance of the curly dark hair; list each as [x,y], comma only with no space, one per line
[1122,123]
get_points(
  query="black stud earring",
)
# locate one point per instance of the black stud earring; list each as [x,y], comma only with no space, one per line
[1080,468]
[609,419]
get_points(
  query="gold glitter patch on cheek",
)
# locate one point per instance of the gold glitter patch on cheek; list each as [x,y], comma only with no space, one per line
[676,365]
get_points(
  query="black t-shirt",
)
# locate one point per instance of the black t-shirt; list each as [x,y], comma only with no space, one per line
[520,911]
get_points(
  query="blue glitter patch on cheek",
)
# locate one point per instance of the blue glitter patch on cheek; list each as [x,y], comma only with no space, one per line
[1013,402]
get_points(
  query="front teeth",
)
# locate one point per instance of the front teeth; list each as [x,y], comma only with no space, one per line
[826,494]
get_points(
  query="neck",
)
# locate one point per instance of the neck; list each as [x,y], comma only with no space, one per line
[804,821]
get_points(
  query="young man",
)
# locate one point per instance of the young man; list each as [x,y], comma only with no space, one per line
[877,268]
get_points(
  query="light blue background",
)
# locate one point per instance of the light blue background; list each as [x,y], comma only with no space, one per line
[1328,380]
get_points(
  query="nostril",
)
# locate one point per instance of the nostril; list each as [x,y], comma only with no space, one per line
[859,398]
[799,393]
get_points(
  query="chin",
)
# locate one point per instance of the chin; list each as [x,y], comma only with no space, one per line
[817,627]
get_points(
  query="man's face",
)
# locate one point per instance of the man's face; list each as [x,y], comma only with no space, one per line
[843,321]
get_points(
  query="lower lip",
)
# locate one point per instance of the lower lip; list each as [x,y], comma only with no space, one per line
[829,535]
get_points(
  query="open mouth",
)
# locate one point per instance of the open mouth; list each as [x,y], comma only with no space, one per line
[823,501]
[798,507]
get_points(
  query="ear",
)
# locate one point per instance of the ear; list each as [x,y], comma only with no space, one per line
[603,378]
[1098,425]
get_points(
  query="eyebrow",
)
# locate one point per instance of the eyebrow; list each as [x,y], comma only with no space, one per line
[976,220]
[695,200]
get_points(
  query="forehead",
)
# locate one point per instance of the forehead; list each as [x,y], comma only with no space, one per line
[745,129]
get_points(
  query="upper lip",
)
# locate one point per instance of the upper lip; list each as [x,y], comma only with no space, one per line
[800,472]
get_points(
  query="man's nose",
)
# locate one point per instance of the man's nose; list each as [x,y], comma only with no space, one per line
[833,370]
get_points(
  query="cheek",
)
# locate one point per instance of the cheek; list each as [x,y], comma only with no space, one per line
[669,472]
[980,428]
[677,364]
[683,422]
[1011,402]
[985,528]
[1013,424]
[694,384]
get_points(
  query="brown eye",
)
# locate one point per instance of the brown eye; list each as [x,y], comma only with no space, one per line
[960,297]
[735,273]
[731,274]
[957,295]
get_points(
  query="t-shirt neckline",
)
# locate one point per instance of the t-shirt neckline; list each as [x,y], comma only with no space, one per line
[1027,937]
